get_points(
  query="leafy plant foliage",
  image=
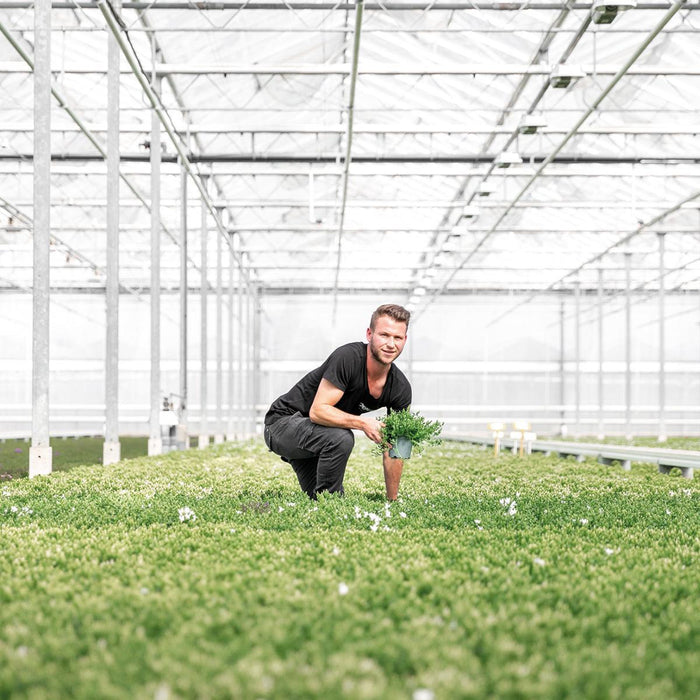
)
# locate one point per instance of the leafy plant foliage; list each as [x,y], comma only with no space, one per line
[419,430]
[208,574]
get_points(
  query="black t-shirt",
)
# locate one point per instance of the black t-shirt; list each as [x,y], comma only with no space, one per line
[345,368]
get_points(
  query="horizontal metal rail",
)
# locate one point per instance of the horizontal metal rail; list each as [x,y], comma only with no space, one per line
[666,459]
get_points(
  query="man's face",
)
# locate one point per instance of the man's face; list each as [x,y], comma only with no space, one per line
[387,339]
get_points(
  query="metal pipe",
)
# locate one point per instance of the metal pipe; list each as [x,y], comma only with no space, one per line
[492,5]
[219,430]
[40,453]
[628,345]
[562,369]
[155,440]
[230,432]
[662,338]
[372,69]
[183,438]
[241,336]
[331,158]
[577,358]
[256,369]
[111,452]
[250,353]
[601,429]
[406,128]
[203,350]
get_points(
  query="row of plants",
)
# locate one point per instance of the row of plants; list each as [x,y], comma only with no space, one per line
[67,452]
[208,574]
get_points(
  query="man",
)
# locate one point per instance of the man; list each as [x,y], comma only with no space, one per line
[311,425]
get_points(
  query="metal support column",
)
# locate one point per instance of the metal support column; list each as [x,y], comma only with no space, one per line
[111,451]
[241,345]
[249,362]
[562,371]
[601,427]
[203,294]
[40,454]
[155,440]
[577,359]
[183,440]
[255,368]
[628,346]
[230,431]
[219,430]
[662,337]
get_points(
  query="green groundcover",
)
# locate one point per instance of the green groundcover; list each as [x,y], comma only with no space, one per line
[208,574]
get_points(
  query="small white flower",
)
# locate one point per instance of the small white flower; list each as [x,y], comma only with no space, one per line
[336,551]
[584,521]
[423,694]
[668,512]
[539,562]
[402,514]
[609,551]
[280,509]
[343,589]
[186,514]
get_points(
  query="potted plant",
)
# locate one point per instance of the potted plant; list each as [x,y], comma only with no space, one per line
[404,431]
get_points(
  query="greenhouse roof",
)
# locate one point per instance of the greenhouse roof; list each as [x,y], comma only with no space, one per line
[426,148]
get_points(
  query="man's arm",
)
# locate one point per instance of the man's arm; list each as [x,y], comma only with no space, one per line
[393,468]
[324,412]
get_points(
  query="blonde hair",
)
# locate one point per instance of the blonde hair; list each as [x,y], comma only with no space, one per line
[398,313]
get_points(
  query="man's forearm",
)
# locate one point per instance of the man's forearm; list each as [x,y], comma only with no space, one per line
[333,417]
[393,468]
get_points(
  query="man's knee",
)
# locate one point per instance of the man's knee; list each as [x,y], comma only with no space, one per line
[345,440]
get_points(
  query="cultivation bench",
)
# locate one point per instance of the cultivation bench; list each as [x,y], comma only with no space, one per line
[666,459]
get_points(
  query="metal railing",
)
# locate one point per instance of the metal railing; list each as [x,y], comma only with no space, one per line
[666,459]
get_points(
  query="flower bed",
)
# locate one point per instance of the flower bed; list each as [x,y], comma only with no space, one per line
[208,574]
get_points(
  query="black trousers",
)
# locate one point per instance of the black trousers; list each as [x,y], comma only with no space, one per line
[318,454]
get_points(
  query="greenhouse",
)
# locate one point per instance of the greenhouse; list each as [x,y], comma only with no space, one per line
[200,202]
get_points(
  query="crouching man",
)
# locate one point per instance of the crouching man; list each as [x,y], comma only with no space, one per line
[311,425]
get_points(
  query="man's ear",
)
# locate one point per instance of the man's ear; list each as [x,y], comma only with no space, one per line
[369,333]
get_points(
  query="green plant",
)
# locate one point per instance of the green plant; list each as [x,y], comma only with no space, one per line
[419,430]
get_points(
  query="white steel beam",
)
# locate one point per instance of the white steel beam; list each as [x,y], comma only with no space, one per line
[368,68]
[203,440]
[155,440]
[40,452]
[111,452]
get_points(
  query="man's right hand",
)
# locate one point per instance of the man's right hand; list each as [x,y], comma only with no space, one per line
[371,428]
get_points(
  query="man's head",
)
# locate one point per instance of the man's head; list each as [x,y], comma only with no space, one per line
[386,335]
[398,313]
